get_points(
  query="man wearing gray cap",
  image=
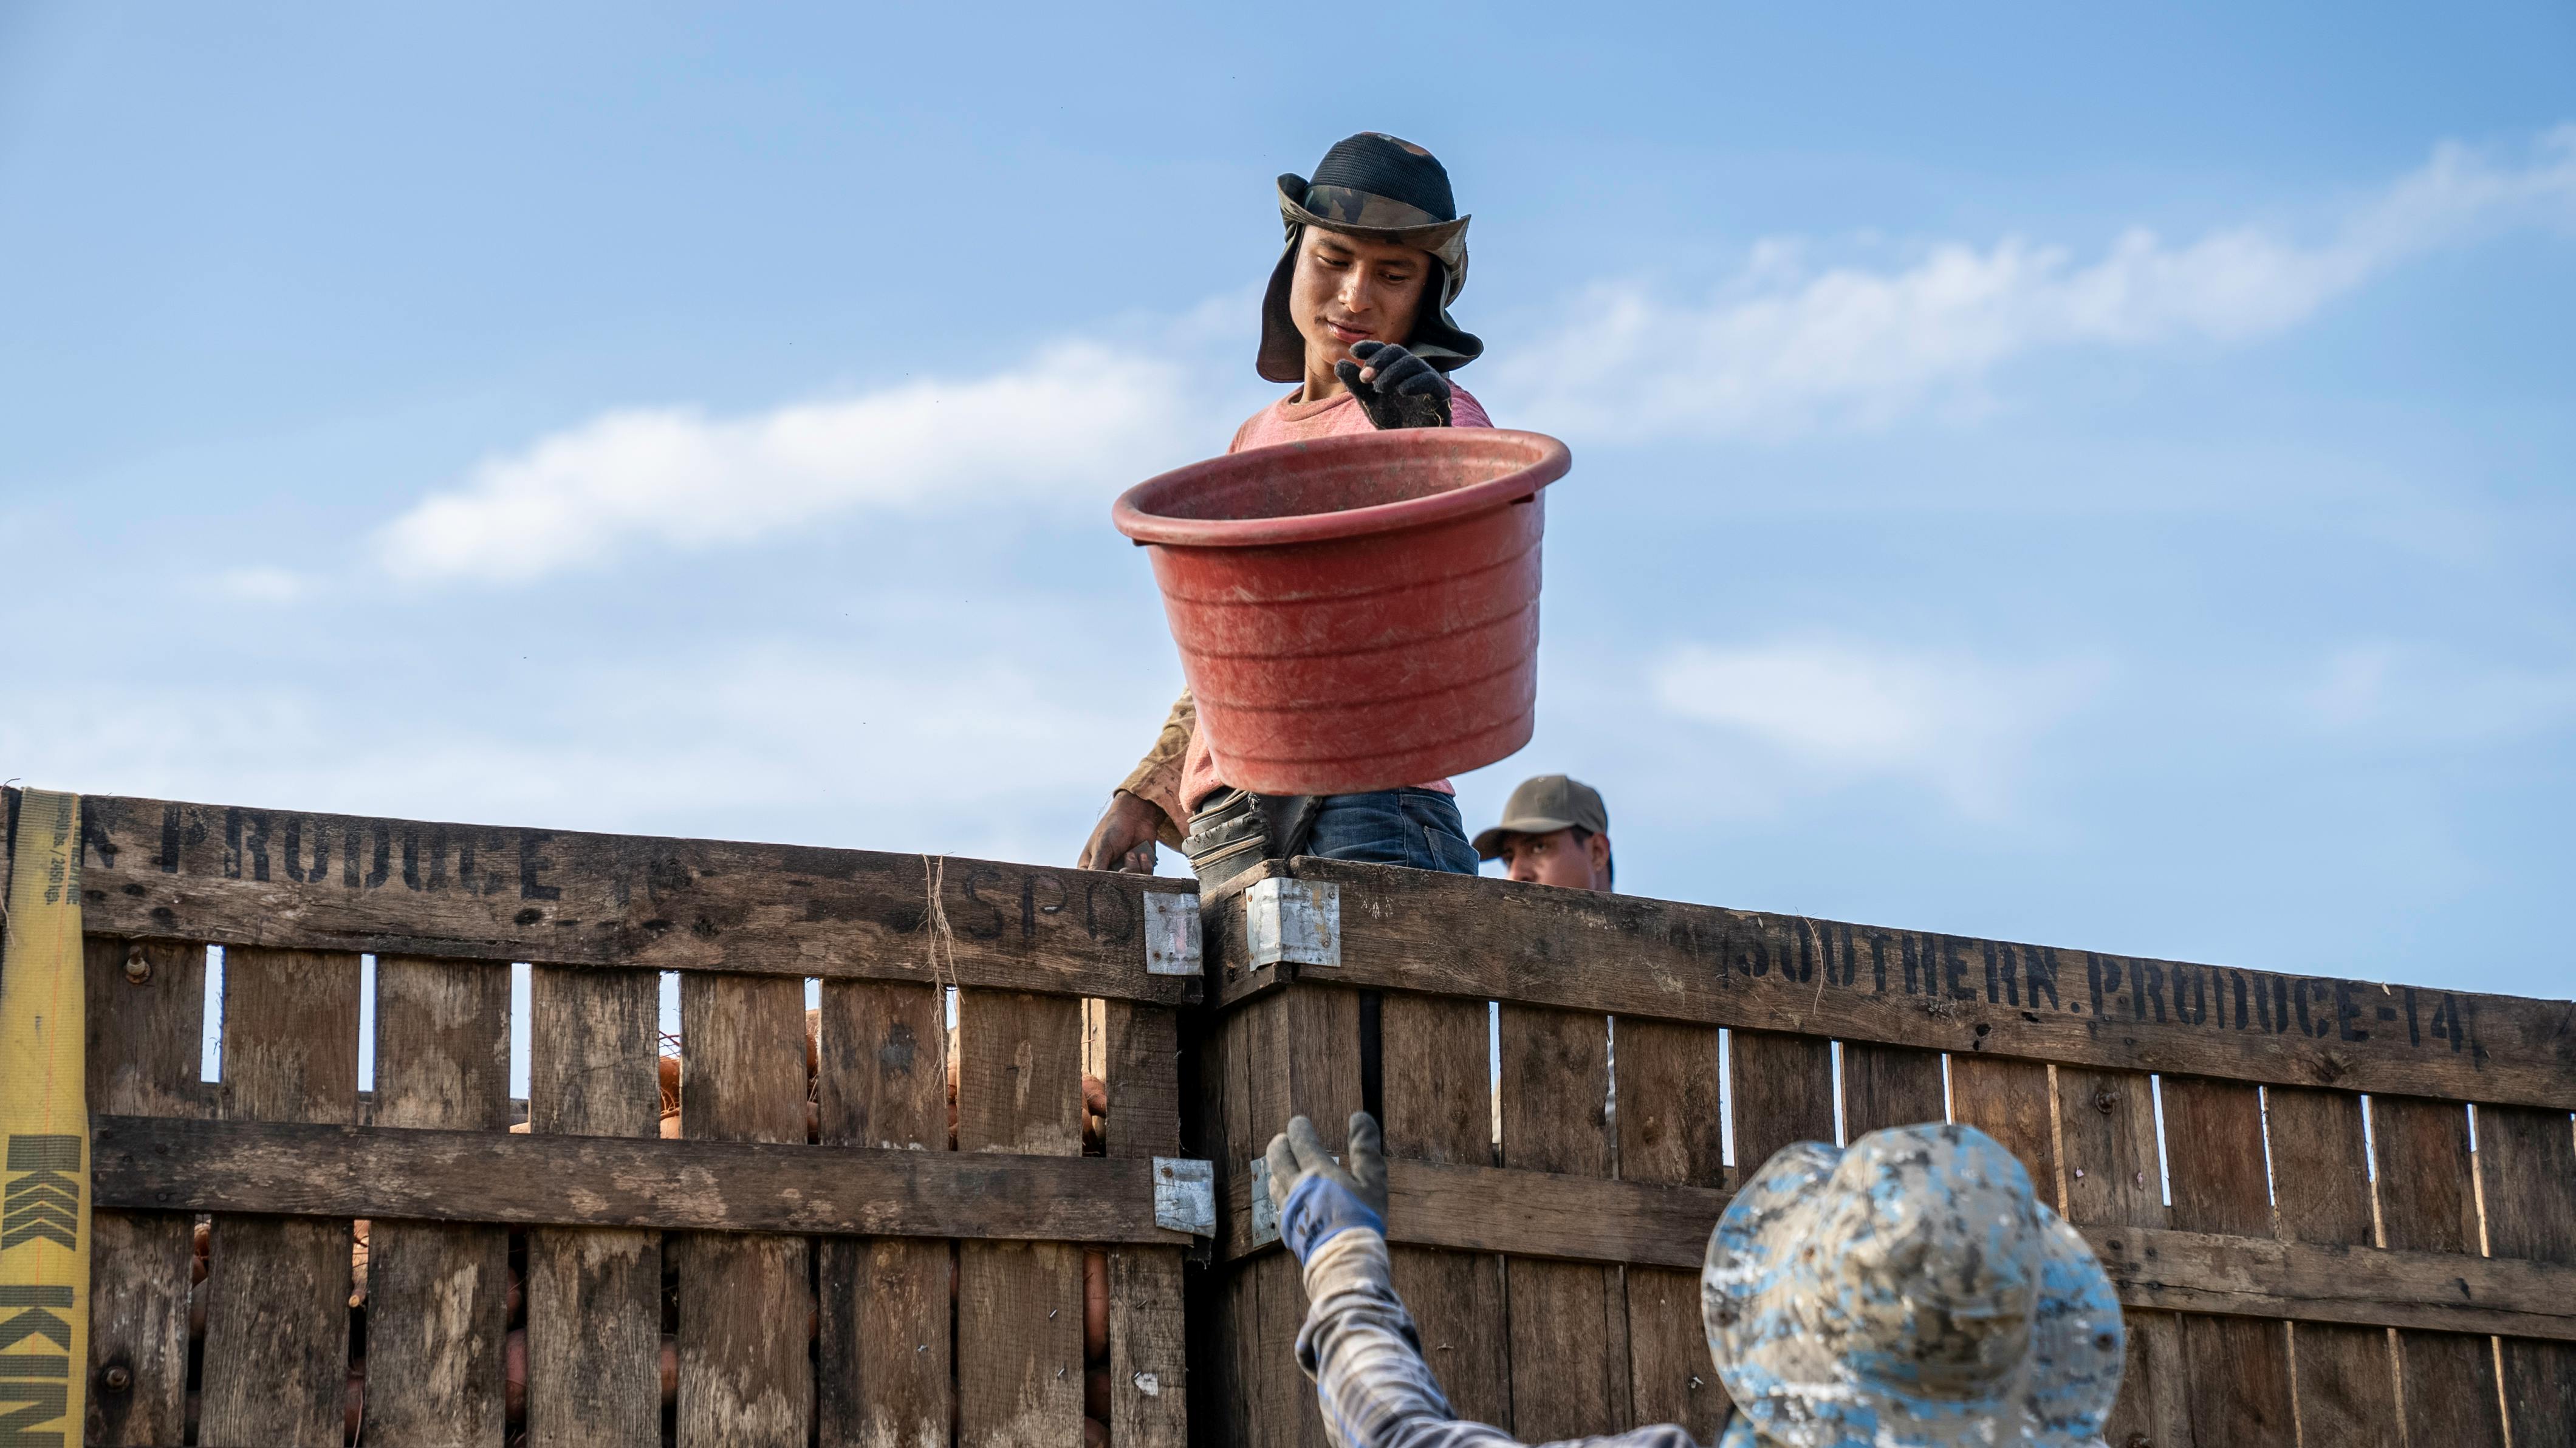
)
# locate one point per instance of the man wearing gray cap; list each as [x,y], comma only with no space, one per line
[1555,831]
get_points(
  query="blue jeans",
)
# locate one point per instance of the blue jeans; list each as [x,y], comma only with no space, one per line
[1419,828]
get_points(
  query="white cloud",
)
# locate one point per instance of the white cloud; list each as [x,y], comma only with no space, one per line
[1845,712]
[260,585]
[1784,348]
[1075,423]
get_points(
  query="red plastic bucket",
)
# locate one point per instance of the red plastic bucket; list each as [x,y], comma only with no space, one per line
[1357,612]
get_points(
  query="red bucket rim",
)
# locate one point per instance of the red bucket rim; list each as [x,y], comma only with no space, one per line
[1546,461]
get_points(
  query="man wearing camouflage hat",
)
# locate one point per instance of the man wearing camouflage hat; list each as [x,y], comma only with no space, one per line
[1909,1292]
[1554,831]
[1357,314]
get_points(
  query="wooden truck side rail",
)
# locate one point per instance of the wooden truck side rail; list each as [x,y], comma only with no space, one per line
[2299,1261]
[834,1246]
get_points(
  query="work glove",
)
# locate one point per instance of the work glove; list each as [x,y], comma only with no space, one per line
[1319,1199]
[1404,391]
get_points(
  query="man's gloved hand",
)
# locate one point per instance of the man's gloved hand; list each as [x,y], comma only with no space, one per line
[1398,388]
[1318,1199]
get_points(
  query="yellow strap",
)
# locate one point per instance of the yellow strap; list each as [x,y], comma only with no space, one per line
[44,1131]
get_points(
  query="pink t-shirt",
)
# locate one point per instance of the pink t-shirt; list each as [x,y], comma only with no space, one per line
[1289,420]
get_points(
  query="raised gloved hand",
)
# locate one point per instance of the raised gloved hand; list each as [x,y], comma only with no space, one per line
[1319,1199]
[1401,390]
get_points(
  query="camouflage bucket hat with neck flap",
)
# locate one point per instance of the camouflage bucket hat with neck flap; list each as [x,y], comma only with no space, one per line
[1377,187]
[1908,1292]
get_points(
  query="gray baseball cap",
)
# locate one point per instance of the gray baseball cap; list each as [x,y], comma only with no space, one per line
[1543,805]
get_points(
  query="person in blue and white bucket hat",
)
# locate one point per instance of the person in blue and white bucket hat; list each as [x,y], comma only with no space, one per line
[1909,1292]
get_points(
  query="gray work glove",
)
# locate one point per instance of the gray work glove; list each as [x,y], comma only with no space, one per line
[1319,1199]
[1402,390]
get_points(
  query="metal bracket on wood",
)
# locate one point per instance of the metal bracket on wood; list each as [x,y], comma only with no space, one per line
[1265,1213]
[1185,1195]
[1171,933]
[1297,921]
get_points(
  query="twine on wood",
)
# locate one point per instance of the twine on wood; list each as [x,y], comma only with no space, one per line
[934,872]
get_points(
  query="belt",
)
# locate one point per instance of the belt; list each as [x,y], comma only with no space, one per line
[1237,829]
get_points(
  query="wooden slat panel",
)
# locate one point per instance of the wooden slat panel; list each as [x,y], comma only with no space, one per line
[1887,1086]
[1019,1304]
[144,1161]
[1148,1332]
[482,892]
[1569,1331]
[144,1048]
[745,1307]
[2238,1388]
[1782,1091]
[1304,1060]
[1143,1057]
[2012,1102]
[1437,1092]
[277,1307]
[2346,1376]
[2527,1163]
[1237,1372]
[1533,1214]
[1671,1133]
[2427,1203]
[1628,956]
[438,1292]
[2108,1136]
[884,1377]
[1480,1209]
[2157,1267]
[594,1297]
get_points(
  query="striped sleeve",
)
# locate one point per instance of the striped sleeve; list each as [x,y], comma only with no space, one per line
[1359,1346]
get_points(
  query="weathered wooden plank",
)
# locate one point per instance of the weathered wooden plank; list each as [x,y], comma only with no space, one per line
[1303,1060]
[438,1292]
[277,1305]
[2108,1139]
[1671,1125]
[148,1162]
[1437,1096]
[1887,1086]
[1227,1355]
[745,1306]
[883,1372]
[2237,1387]
[2427,1203]
[1576,949]
[1148,1331]
[594,1297]
[2346,1376]
[1781,1091]
[1569,1334]
[146,1014]
[1579,1219]
[1297,1054]
[2527,1163]
[1019,1304]
[240,876]
[2013,1102]
[2256,1277]
[1143,1061]
[1529,1213]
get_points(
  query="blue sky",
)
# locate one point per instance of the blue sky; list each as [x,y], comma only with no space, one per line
[2045,473]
